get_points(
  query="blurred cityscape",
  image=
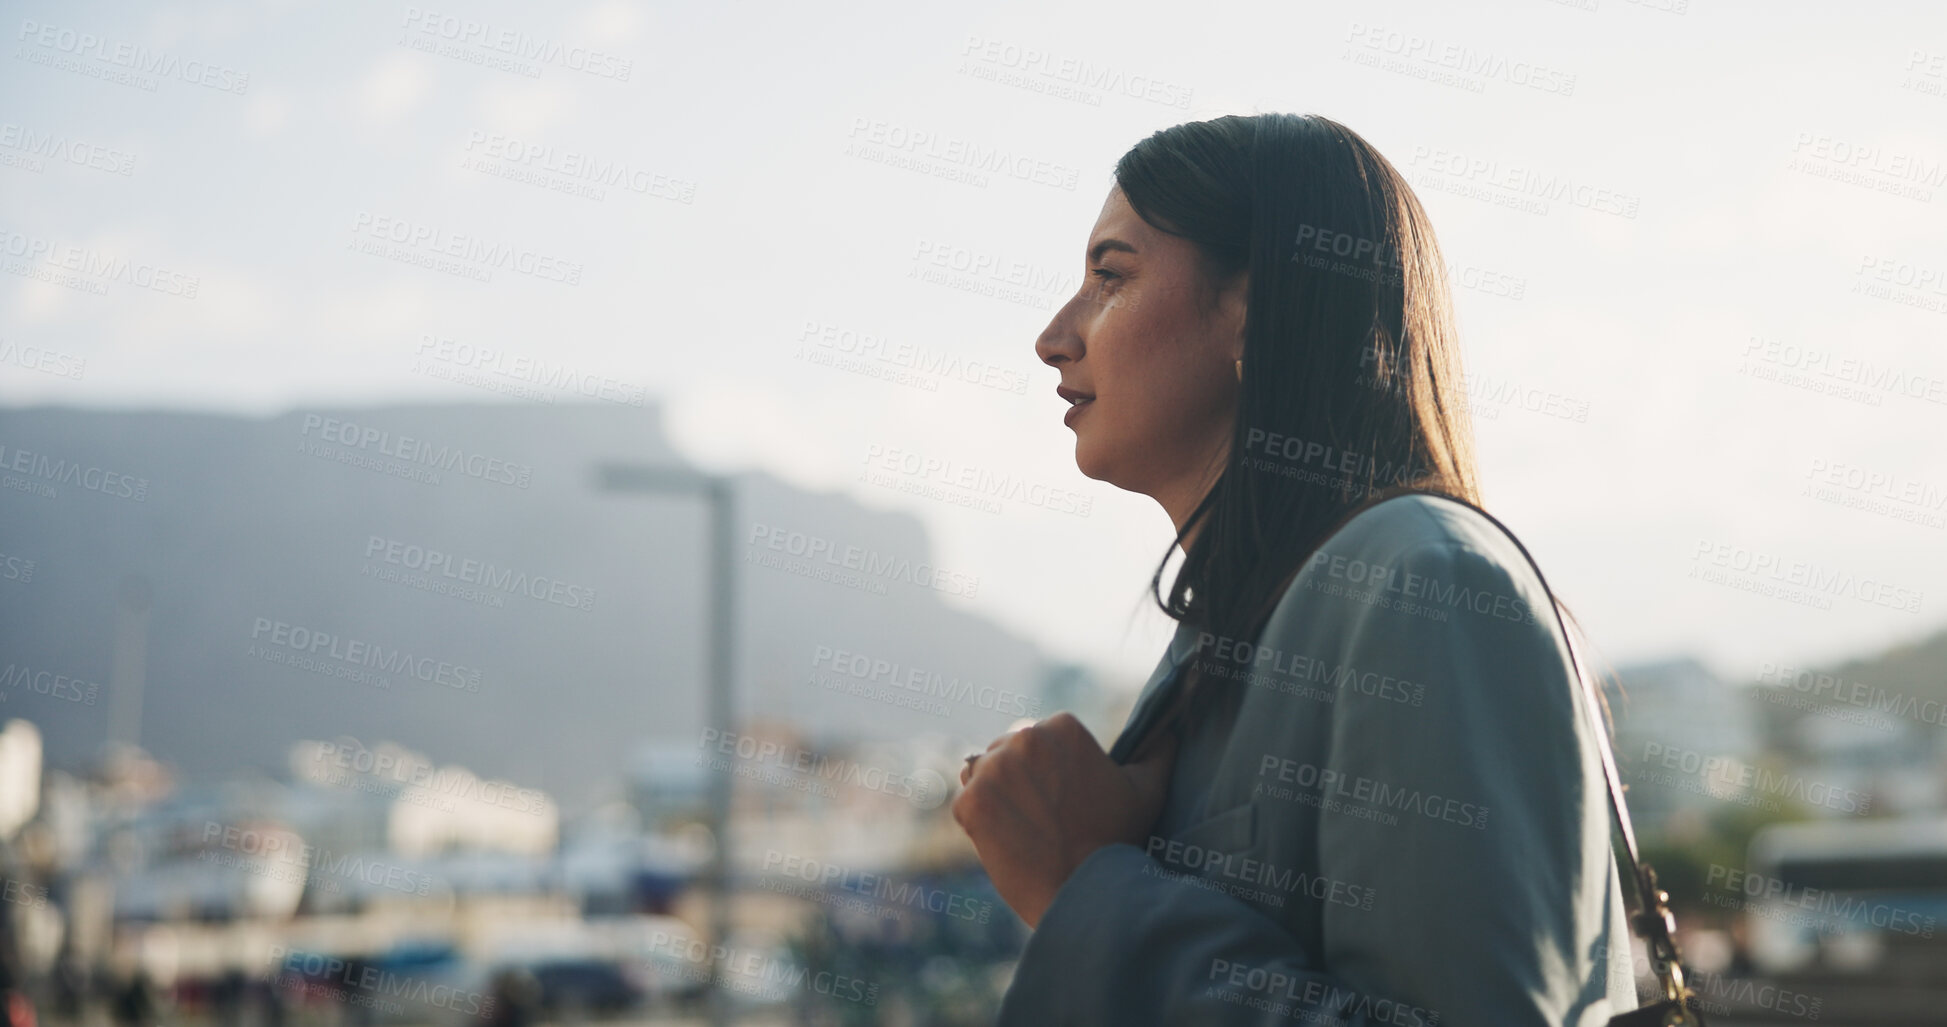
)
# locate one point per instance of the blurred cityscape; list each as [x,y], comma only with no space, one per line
[1794,819]
[369,885]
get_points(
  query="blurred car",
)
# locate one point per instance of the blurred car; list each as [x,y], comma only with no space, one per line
[413,982]
[585,983]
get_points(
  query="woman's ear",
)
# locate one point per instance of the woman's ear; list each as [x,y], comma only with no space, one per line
[1232,303]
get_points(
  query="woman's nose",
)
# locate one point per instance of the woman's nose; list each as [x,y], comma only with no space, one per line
[1058,342]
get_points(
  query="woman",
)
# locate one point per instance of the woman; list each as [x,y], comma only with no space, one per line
[1373,797]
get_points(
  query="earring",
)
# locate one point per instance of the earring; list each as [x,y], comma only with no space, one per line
[1240,370]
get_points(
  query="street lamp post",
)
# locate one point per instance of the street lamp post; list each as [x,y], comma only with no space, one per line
[720,711]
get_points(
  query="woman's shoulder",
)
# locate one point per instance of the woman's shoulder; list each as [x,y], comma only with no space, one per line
[1415,520]
[1430,591]
[1420,550]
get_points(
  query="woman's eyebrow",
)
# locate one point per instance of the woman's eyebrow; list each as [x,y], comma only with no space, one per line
[1095,252]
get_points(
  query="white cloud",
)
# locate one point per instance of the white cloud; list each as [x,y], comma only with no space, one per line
[521,106]
[394,87]
[611,22]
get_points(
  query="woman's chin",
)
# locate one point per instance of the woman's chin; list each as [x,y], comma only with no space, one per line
[1093,464]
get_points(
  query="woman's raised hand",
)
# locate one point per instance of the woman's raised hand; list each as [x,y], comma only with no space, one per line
[1041,799]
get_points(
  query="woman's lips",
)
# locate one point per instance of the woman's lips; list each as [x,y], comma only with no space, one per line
[1069,417]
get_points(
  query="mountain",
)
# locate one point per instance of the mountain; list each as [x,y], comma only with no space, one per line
[454,579]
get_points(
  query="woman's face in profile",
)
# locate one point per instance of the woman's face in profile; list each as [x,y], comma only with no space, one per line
[1155,345]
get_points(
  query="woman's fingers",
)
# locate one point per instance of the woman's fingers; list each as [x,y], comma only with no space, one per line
[967,770]
[1039,800]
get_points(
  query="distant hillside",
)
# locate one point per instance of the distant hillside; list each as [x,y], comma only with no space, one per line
[583,629]
[1917,668]
[1857,701]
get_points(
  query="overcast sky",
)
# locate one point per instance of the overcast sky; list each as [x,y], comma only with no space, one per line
[1722,335]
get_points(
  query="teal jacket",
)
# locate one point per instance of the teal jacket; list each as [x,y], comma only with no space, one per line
[1393,813]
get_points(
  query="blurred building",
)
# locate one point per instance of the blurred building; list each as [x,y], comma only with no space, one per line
[668,785]
[1681,732]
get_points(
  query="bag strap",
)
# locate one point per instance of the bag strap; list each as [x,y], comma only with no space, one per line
[1652,918]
